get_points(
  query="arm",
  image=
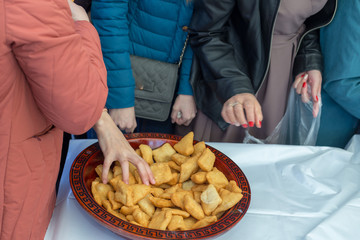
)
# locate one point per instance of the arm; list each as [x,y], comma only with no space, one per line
[185,69]
[116,148]
[184,108]
[346,93]
[215,54]
[110,19]
[307,69]
[219,68]
[309,55]
[62,62]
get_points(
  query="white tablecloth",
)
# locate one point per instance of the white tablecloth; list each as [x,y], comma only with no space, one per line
[298,192]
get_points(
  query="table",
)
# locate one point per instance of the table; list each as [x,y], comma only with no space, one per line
[298,192]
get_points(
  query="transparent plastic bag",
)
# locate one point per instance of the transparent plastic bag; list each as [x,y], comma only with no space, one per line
[297,127]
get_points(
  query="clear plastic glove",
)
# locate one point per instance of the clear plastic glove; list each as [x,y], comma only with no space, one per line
[116,148]
[242,109]
[124,118]
[184,110]
[308,84]
[78,13]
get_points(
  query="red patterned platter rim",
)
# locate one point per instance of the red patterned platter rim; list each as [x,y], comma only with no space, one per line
[82,173]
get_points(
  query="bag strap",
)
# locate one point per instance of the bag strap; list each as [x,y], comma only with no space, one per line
[183,50]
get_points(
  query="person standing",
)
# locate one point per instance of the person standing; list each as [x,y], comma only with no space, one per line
[340,117]
[249,54]
[150,29]
[53,79]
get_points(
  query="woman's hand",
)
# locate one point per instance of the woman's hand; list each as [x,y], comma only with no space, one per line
[116,148]
[184,110]
[242,109]
[78,13]
[308,84]
[124,118]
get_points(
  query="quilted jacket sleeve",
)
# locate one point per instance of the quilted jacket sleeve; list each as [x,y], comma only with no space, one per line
[185,69]
[110,19]
[62,62]
[215,53]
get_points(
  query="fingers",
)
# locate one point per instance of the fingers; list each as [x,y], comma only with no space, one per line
[299,79]
[149,173]
[174,115]
[145,173]
[250,113]
[253,114]
[316,109]
[124,118]
[182,118]
[302,83]
[240,118]
[125,170]
[142,166]
[128,126]
[315,90]
[309,86]
[184,110]
[258,116]
[302,86]
[131,129]
[228,114]
[242,110]
[144,170]
[304,93]
[105,171]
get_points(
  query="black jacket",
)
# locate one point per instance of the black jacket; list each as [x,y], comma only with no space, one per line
[231,40]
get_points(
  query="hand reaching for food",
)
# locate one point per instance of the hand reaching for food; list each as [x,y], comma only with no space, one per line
[116,148]
[190,191]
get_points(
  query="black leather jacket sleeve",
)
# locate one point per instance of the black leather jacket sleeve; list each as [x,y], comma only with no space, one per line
[309,55]
[208,38]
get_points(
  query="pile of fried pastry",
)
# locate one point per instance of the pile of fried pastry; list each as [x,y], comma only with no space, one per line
[189,192]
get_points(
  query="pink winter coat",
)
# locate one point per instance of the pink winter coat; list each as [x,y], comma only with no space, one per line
[52,79]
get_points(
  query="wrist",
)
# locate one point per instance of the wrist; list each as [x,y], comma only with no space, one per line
[101,123]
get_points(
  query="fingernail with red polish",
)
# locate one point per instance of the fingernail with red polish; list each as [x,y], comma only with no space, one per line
[244,125]
[317,99]
[260,123]
[304,84]
[303,75]
[251,124]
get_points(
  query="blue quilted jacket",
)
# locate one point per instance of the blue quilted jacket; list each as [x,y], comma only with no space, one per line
[147,28]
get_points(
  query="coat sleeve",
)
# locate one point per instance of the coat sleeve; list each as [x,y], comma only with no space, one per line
[61,60]
[185,69]
[216,55]
[346,93]
[309,55]
[110,20]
